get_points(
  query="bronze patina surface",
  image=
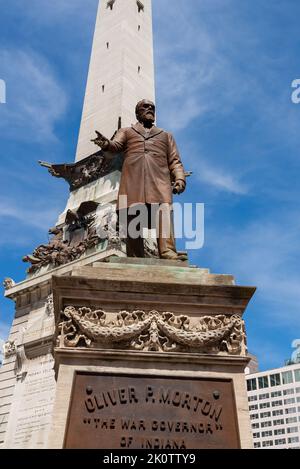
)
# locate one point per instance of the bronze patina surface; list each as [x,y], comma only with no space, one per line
[152,171]
[150,412]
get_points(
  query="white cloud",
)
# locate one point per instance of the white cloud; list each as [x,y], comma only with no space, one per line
[35,98]
[45,10]
[265,254]
[37,216]
[219,179]
[195,77]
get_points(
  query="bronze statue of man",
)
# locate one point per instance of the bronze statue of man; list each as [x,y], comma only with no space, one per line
[152,170]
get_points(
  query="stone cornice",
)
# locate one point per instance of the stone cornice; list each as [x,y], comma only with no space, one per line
[43,279]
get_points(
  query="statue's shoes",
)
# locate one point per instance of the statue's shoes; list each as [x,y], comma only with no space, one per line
[174,256]
[182,257]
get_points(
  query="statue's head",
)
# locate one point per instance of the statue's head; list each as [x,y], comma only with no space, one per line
[145,111]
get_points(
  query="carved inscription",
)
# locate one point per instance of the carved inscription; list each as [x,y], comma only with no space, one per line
[151,413]
[32,406]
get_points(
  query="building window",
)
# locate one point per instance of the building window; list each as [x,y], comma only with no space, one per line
[139,27]
[288,392]
[267,433]
[287,377]
[254,426]
[265,415]
[140,6]
[257,445]
[291,410]
[276,403]
[267,443]
[107,45]
[266,424]
[294,439]
[292,430]
[291,420]
[275,379]
[110,4]
[280,431]
[254,416]
[103,88]
[264,405]
[251,384]
[297,377]
[139,69]
[263,382]
[278,422]
[253,407]
[256,435]
[264,396]
[252,398]
[277,412]
[276,394]
[281,441]
[290,400]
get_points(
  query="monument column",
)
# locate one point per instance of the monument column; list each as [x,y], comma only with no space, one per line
[149,353]
[121,71]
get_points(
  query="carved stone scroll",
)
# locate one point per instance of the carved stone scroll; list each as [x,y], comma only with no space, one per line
[152,331]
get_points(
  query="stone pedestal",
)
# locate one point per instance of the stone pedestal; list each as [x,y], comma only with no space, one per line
[149,354]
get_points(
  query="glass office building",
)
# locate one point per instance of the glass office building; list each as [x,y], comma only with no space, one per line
[274,406]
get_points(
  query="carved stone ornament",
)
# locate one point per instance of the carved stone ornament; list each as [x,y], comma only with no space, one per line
[49,305]
[9,349]
[81,235]
[85,171]
[8,283]
[152,331]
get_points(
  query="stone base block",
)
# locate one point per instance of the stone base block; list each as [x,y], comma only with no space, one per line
[150,356]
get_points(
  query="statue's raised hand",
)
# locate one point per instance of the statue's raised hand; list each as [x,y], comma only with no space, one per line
[100,140]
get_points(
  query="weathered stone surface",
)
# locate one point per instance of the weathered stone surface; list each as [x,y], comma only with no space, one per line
[151,331]
[111,301]
[114,89]
[31,411]
[181,290]
[27,384]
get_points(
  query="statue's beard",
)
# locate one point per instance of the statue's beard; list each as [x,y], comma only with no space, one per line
[147,118]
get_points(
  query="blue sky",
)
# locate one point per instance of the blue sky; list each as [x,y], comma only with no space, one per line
[224,70]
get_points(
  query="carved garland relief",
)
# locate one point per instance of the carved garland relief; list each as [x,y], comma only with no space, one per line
[152,331]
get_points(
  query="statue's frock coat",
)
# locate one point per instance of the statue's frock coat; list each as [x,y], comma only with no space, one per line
[151,164]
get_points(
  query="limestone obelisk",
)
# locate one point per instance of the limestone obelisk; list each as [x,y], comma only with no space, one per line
[121,69]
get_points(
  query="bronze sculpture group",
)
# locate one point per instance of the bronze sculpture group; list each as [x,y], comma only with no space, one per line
[152,170]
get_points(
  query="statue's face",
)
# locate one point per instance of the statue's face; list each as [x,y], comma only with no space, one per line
[146,111]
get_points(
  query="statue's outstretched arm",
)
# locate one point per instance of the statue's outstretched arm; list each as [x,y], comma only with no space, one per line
[117,145]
